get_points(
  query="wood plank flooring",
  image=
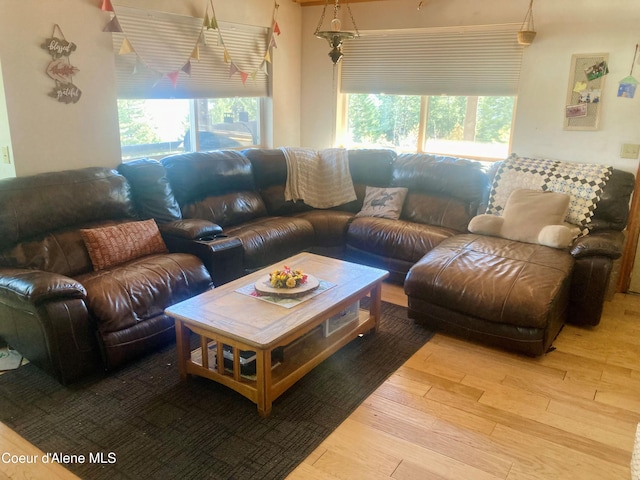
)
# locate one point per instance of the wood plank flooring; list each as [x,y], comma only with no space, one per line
[460,410]
[457,410]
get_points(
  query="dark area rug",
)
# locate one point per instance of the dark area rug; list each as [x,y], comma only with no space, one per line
[151,425]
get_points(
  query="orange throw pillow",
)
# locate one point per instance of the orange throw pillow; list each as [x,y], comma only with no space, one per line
[116,244]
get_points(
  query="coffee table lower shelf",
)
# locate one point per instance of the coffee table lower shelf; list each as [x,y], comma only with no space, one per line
[301,354]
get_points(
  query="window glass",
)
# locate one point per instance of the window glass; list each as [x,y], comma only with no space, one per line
[454,125]
[157,128]
[227,123]
[469,126]
[378,120]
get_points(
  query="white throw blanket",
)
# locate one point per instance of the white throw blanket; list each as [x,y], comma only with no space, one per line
[319,177]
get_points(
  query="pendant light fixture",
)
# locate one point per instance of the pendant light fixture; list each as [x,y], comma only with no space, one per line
[335,35]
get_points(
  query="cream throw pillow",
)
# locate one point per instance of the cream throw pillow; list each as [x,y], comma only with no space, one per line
[531,216]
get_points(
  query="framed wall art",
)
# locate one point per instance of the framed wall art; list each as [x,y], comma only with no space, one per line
[584,95]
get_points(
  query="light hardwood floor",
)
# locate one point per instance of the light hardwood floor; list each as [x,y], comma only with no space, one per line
[457,410]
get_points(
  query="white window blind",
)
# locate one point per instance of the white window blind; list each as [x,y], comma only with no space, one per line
[164,43]
[478,60]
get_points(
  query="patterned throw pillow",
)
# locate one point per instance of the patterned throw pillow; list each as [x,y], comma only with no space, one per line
[116,244]
[383,202]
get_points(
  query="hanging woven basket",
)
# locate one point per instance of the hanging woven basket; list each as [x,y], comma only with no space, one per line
[525,37]
[527,31]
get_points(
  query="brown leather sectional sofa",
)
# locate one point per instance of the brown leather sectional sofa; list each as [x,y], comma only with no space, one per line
[227,209]
[498,293]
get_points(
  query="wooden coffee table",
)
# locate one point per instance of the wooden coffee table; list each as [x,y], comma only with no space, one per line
[223,316]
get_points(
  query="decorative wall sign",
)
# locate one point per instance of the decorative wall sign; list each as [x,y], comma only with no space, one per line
[60,68]
[586,83]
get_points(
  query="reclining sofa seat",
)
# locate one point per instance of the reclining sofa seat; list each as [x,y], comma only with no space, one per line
[367,167]
[444,193]
[219,186]
[55,309]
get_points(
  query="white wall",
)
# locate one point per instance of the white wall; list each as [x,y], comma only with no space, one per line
[6,169]
[47,135]
[563,27]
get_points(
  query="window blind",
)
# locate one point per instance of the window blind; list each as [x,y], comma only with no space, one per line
[478,60]
[164,43]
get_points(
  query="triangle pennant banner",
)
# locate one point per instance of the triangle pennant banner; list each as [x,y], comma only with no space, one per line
[267,56]
[106,6]
[138,67]
[125,47]
[196,53]
[158,80]
[233,70]
[213,24]
[276,28]
[173,76]
[254,75]
[244,77]
[113,26]
[272,44]
[207,21]
[187,68]
[227,57]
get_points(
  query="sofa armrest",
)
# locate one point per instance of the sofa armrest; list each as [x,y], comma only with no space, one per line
[20,287]
[606,243]
[191,229]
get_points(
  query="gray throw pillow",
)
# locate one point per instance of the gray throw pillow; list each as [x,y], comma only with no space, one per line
[383,202]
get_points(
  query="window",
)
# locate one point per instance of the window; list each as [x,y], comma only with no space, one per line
[441,90]
[160,127]
[477,127]
[158,114]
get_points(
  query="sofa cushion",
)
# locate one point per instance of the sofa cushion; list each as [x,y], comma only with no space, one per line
[122,296]
[330,226]
[443,191]
[383,202]
[152,193]
[198,175]
[116,244]
[270,239]
[498,280]
[227,209]
[32,207]
[396,239]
